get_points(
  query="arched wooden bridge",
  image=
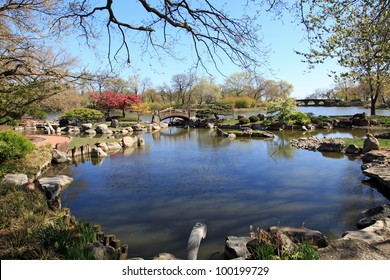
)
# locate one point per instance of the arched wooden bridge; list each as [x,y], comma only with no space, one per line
[161,115]
[317,102]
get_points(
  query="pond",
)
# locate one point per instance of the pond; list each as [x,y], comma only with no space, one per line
[327,111]
[151,197]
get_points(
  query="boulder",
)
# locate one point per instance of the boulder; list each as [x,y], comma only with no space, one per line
[100,252]
[262,134]
[101,127]
[385,135]
[378,232]
[103,146]
[124,131]
[128,141]
[372,242]
[89,131]
[165,257]
[342,249]
[360,120]
[220,132]
[258,126]
[52,192]
[377,156]
[352,149]
[331,145]
[62,180]
[380,173]
[235,247]
[370,216]
[15,179]
[52,187]
[114,146]
[325,125]
[139,127]
[231,136]
[97,152]
[63,146]
[310,126]
[76,130]
[114,123]
[247,132]
[86,126]
[370,143]
[59,156]
[302,235]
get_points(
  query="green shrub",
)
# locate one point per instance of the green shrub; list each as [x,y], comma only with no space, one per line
[128,119]
[300,118]
[14,145]
[245,102]
[244,121]
[254,118]
[319,119]
[81,115]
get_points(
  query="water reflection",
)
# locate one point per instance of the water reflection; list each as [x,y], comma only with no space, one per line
[151,197]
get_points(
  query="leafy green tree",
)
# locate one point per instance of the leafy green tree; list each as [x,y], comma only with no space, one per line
[206,91]
[282,110]
[348,90]
[356,33]
[238,84]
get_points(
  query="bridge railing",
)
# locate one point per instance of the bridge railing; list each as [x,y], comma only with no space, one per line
[166,113]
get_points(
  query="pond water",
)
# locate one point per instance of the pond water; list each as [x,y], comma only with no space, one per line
[328,111]
[316,110]
[151,197]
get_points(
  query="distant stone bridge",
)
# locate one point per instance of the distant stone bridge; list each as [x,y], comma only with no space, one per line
[317,102]
[160,115]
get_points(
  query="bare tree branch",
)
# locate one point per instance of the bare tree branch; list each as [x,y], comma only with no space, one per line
[214,33]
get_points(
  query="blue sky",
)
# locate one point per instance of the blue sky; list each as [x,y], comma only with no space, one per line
[282,36]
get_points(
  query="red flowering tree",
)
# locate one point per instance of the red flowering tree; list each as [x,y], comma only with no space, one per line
[110,100]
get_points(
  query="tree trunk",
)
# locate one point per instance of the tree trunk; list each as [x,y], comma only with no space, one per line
[373,101]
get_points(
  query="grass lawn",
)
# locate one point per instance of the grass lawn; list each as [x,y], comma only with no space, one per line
[82,141]
[383,143]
